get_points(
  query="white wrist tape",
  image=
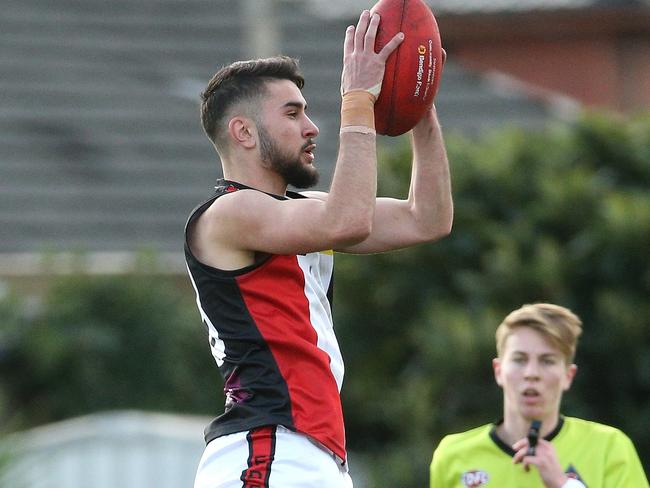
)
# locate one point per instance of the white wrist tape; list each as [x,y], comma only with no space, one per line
[573,483]
[373,90]
[359,129]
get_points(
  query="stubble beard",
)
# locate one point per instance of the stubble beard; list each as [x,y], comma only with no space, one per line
[289,166]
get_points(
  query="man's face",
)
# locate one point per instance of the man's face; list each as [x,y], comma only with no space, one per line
[286,135]
[533,375]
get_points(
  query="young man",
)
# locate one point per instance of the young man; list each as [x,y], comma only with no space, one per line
[534,446]
[260,259]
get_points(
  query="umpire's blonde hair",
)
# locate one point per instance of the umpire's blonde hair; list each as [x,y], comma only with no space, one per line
[559,325]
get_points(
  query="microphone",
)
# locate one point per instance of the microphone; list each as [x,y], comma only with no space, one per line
[533,436]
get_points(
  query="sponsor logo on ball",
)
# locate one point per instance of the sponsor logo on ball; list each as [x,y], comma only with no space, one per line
[429,62]
[419,74]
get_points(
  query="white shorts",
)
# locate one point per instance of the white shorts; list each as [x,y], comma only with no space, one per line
[269,457]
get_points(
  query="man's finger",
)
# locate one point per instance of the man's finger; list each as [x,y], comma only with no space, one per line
[391,46]
[371,33]
[360,33]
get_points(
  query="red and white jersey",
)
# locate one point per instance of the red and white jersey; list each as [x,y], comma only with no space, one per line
[271,334]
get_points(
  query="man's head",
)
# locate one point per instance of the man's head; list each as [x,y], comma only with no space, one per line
[242,84]
[536,345]
[242,91]
[558,325]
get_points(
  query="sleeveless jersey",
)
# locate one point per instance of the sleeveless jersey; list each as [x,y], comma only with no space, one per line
[598,455]
[271,335]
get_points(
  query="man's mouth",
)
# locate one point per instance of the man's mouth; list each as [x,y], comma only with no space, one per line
[309,150]
[531,393]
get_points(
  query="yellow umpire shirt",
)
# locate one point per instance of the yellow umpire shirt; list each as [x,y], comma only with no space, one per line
[598,455]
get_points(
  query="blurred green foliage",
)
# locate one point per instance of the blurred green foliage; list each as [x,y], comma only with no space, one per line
[103,342]
[560,216]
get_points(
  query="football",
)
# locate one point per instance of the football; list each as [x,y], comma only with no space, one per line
[413,70]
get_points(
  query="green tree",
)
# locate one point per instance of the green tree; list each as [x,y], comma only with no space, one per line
[560,216]
[103,342]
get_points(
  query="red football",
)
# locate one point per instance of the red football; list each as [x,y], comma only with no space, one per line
[413,70]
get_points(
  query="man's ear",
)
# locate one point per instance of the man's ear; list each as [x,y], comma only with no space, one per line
[496,367]
[242,132]
[570,374]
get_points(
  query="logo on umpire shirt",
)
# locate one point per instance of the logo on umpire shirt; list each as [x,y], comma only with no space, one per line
[474,478]
[572,473]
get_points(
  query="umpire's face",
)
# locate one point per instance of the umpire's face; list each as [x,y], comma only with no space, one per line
[533,375]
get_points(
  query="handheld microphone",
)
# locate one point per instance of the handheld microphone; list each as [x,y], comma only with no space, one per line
[533,436]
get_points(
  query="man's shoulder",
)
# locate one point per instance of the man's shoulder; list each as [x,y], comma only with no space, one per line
[596,428]
[465,439]
[613,447]
[595,431]
[241,201]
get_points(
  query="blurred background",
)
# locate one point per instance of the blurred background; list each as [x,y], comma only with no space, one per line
[106,377]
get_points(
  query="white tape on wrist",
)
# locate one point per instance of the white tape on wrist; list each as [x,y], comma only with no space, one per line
[573,483]
[373,90]
[359,129]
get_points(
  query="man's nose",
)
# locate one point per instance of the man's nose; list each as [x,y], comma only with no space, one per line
[311,130]
[532,369]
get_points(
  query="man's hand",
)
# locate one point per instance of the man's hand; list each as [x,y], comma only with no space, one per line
[545,459]
[363,69]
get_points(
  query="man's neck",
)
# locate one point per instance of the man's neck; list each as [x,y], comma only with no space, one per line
[267,182]
[515,428]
